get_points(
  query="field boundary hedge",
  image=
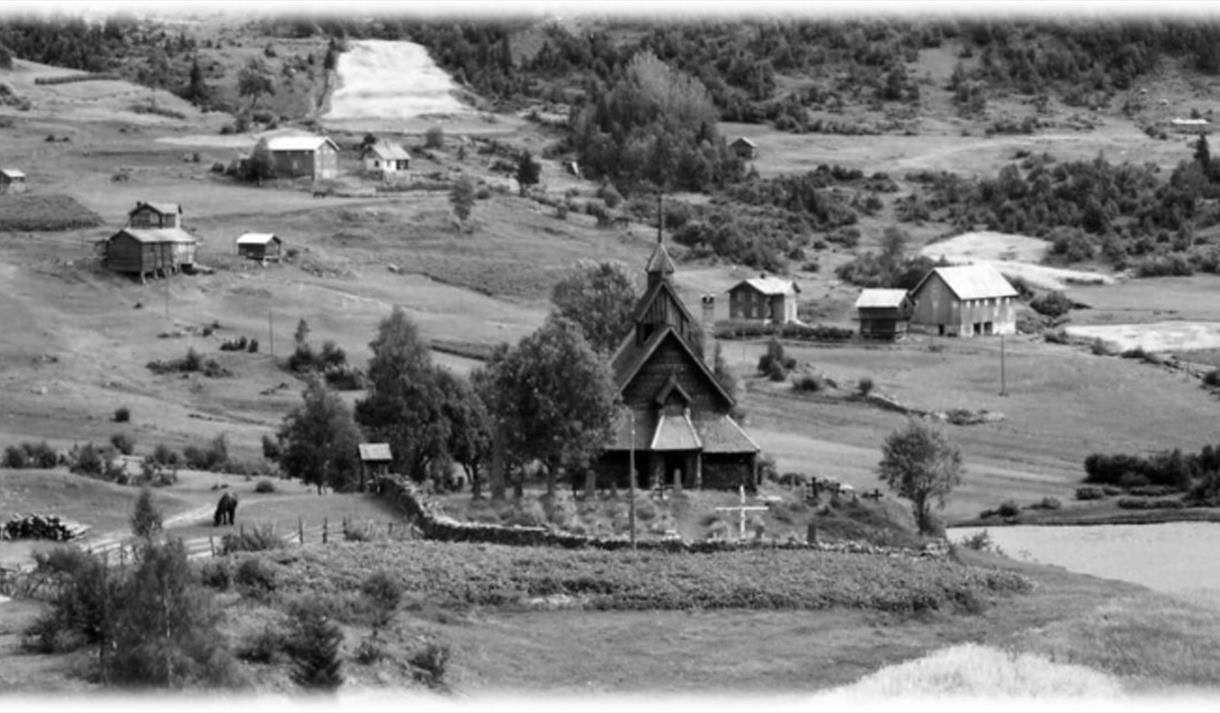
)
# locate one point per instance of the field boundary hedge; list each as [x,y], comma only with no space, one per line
[436,525]
[76,78]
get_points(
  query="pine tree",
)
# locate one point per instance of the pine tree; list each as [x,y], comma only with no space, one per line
[146,519]
[314,649]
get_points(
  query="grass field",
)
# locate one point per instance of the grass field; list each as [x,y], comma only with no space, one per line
[74,342]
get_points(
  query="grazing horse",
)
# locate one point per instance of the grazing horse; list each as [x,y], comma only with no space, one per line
[226,510]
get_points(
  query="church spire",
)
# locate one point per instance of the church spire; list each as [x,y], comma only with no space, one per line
[660,265]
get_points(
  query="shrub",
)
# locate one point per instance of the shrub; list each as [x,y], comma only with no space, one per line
[430,665]
[216,573]
[1212,378]
[1008,508]
[264,647]
[1145,504]
[214,457]
[122,414]
[123,443]
[385,593]
[1089,492]
[271,448]
[30,455]
[807,382]
[256,539]
[1047,503]
[866,386]
[255,577]
[434,138]
[165,456]
[369,652]
[1052,304]
[264,486]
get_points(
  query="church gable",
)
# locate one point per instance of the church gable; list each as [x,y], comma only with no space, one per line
[661,306]
[670,369]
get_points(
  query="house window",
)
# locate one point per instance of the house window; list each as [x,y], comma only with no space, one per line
[376,163]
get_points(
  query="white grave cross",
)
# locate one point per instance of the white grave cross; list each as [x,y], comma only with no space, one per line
[743,508]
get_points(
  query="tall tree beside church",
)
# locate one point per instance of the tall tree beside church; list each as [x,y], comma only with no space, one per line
[599,297]
[554,399]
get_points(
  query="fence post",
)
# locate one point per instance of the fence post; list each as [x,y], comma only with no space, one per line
[212,545]
[324,530]
[300,530]
[243,530]
[390,530]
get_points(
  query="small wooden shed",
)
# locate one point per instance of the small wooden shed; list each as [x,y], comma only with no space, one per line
[883,314]
[375,459]
[12,181]
[149,251]
[744,148]
[260,246]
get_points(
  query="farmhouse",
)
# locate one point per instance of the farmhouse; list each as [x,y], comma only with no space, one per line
[259,246]
[744,148]
[314,156]
[152,242]
[677,424]
[965,300]
[883,314]
[769,299]
[386,158]
[12,181]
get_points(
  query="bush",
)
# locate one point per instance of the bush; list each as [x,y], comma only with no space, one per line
[165,456]
[1145,504]
[264,647]
[866,386]
[122,414]
[256,539]
[434,138]
[255,577]
[30,455]
[430,665]
[264,486]
[385,593]
[213,458]
[808,382]
[1052,304]
[1212,378]
[123,443]
[369,652]
[1089,492]
[271,448]
[1047,503]
[1008,508]
[216,573]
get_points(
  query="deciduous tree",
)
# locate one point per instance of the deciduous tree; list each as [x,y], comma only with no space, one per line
[254,80]
[319,439]
[920,464]
[405,404]
[599,297]
[528,171]
[555,399]
[462,198]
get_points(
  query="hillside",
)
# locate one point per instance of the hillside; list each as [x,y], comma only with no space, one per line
[1115,204]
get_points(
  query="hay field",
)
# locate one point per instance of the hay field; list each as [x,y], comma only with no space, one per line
[1014,256]
[1152,337]
[391,80]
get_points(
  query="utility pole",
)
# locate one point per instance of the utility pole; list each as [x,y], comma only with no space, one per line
[1003,384]
[631,479]
[270,334]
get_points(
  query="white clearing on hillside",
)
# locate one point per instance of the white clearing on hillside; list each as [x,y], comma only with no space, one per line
[1153,336]
[976,672]
[379,79]
[1014,256]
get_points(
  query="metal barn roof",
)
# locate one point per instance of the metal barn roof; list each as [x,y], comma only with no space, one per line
[374,451]
[769,285]
[298,143]
[256,238]
[389,152]
[158,235]
[972,282]
[879,299]
[12,173]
